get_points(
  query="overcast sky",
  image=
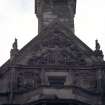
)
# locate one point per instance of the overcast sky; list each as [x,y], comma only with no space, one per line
[17,19]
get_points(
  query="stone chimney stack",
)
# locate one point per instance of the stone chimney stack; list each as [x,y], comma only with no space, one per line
[49,11]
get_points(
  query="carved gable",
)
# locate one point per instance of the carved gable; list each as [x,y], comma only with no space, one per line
[57,49]
[56,45]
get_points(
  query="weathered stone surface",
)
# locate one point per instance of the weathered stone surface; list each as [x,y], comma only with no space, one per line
[56,53]
[50,10]
[56,67]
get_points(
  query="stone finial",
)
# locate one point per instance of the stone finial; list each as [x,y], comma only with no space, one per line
[15,45]
[98,51]
[97,45]
[14,49]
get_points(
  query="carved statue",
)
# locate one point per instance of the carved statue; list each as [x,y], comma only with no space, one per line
[14,50]
[97,45]
[15,44]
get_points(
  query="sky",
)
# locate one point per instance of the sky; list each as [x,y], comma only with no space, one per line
[17,20]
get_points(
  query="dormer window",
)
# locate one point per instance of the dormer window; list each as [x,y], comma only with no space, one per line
[56,81]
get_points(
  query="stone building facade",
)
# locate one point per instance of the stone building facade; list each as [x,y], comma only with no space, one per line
[55,67]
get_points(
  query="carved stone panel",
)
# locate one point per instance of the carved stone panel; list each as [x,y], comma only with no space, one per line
[57,49]
[85,79]
[27,81]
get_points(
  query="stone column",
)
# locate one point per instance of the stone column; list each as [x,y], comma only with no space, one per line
[42,75]
[99,80]
[12,80]
[70,77]
[100,85]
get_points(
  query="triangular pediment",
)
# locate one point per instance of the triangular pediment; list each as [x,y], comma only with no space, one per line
[57,49]
[56,45]
[59,43]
